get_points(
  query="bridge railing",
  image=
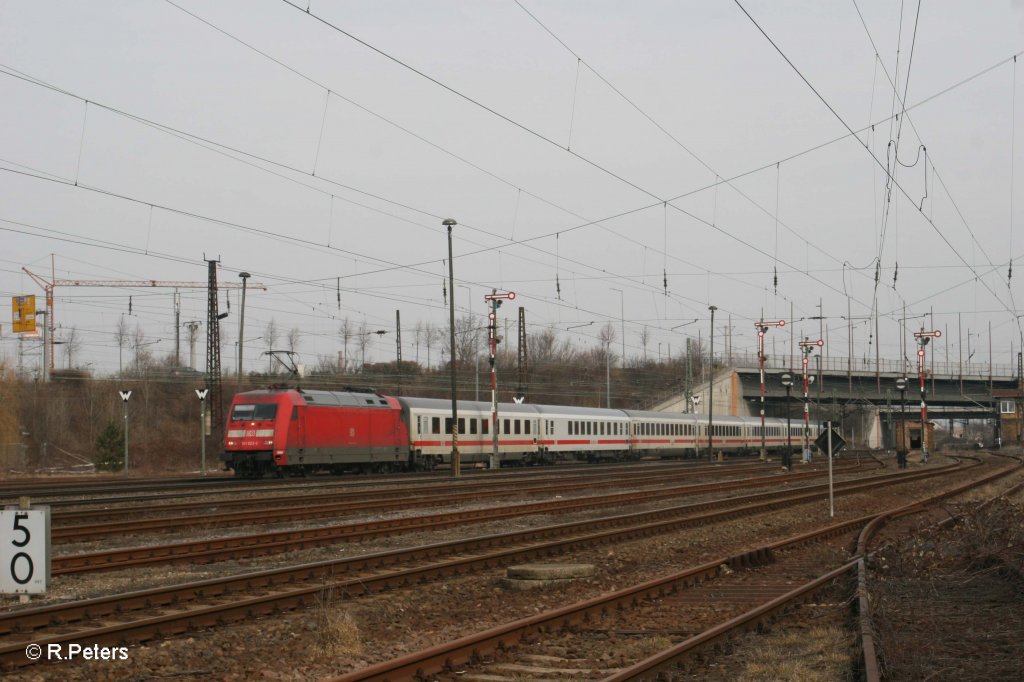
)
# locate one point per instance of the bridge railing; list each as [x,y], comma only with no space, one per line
[975,370]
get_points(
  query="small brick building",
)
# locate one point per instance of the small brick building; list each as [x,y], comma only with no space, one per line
[1011,415]
[910,432]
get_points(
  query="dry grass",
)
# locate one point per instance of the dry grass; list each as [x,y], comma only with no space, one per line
[639,649]
[335,631]
[819,654]
[948,602]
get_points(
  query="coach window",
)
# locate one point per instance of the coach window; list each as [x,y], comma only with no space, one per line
[472,426]
[435,425]
[526,426]
[506,430]
[462,425]
[516,426]
[485,426]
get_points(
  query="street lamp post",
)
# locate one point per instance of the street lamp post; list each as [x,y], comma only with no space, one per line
[901,443]
[807,347]
[762,329]
[241,326]
[607,375]
[787,454]
[689,386]
[711,382]
[456,459]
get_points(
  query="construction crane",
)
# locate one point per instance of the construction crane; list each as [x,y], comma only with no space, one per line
[49,285]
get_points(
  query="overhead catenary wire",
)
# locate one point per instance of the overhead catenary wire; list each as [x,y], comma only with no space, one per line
[908,119]
[204,142]
[663,204]
[702,188]
[902,190]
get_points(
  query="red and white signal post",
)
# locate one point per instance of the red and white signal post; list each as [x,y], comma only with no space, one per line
[495,299]
[923,338]
[762,329]
[807,347]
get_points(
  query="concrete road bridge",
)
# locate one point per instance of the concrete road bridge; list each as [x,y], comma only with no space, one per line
[860,395]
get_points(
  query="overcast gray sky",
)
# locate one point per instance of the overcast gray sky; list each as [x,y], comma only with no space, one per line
[590,147]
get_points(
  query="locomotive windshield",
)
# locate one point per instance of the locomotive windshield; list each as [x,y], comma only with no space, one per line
[253,412]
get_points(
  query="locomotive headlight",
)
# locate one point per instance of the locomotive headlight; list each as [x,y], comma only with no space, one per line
[231,442]
[268,442]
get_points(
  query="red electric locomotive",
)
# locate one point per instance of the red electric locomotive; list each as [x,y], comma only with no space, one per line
[300,432]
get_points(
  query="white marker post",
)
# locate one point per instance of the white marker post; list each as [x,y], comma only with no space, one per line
[201,393]
[24,550]
[831,494]
[125,395]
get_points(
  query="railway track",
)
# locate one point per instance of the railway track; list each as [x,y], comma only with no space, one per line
[68,526]
[54,491]
[240,546]
[720,599]
[159,612]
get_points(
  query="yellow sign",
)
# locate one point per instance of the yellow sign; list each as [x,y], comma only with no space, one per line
[23,309]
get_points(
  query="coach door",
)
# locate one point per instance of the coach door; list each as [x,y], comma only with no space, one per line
[296,435]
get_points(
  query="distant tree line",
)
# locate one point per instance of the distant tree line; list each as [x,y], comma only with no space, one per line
[78,416]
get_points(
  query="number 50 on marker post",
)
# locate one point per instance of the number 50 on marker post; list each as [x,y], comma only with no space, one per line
[24,550]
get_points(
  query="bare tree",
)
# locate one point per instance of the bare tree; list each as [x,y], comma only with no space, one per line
[418,335]
[645,338]
[142,359]
[72,344]
[469,339]
[121,335]
[543,348]
[608,336]
[326,366]
[362,341]
[431,335]
[270,337]
[345,331]
[294,338]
